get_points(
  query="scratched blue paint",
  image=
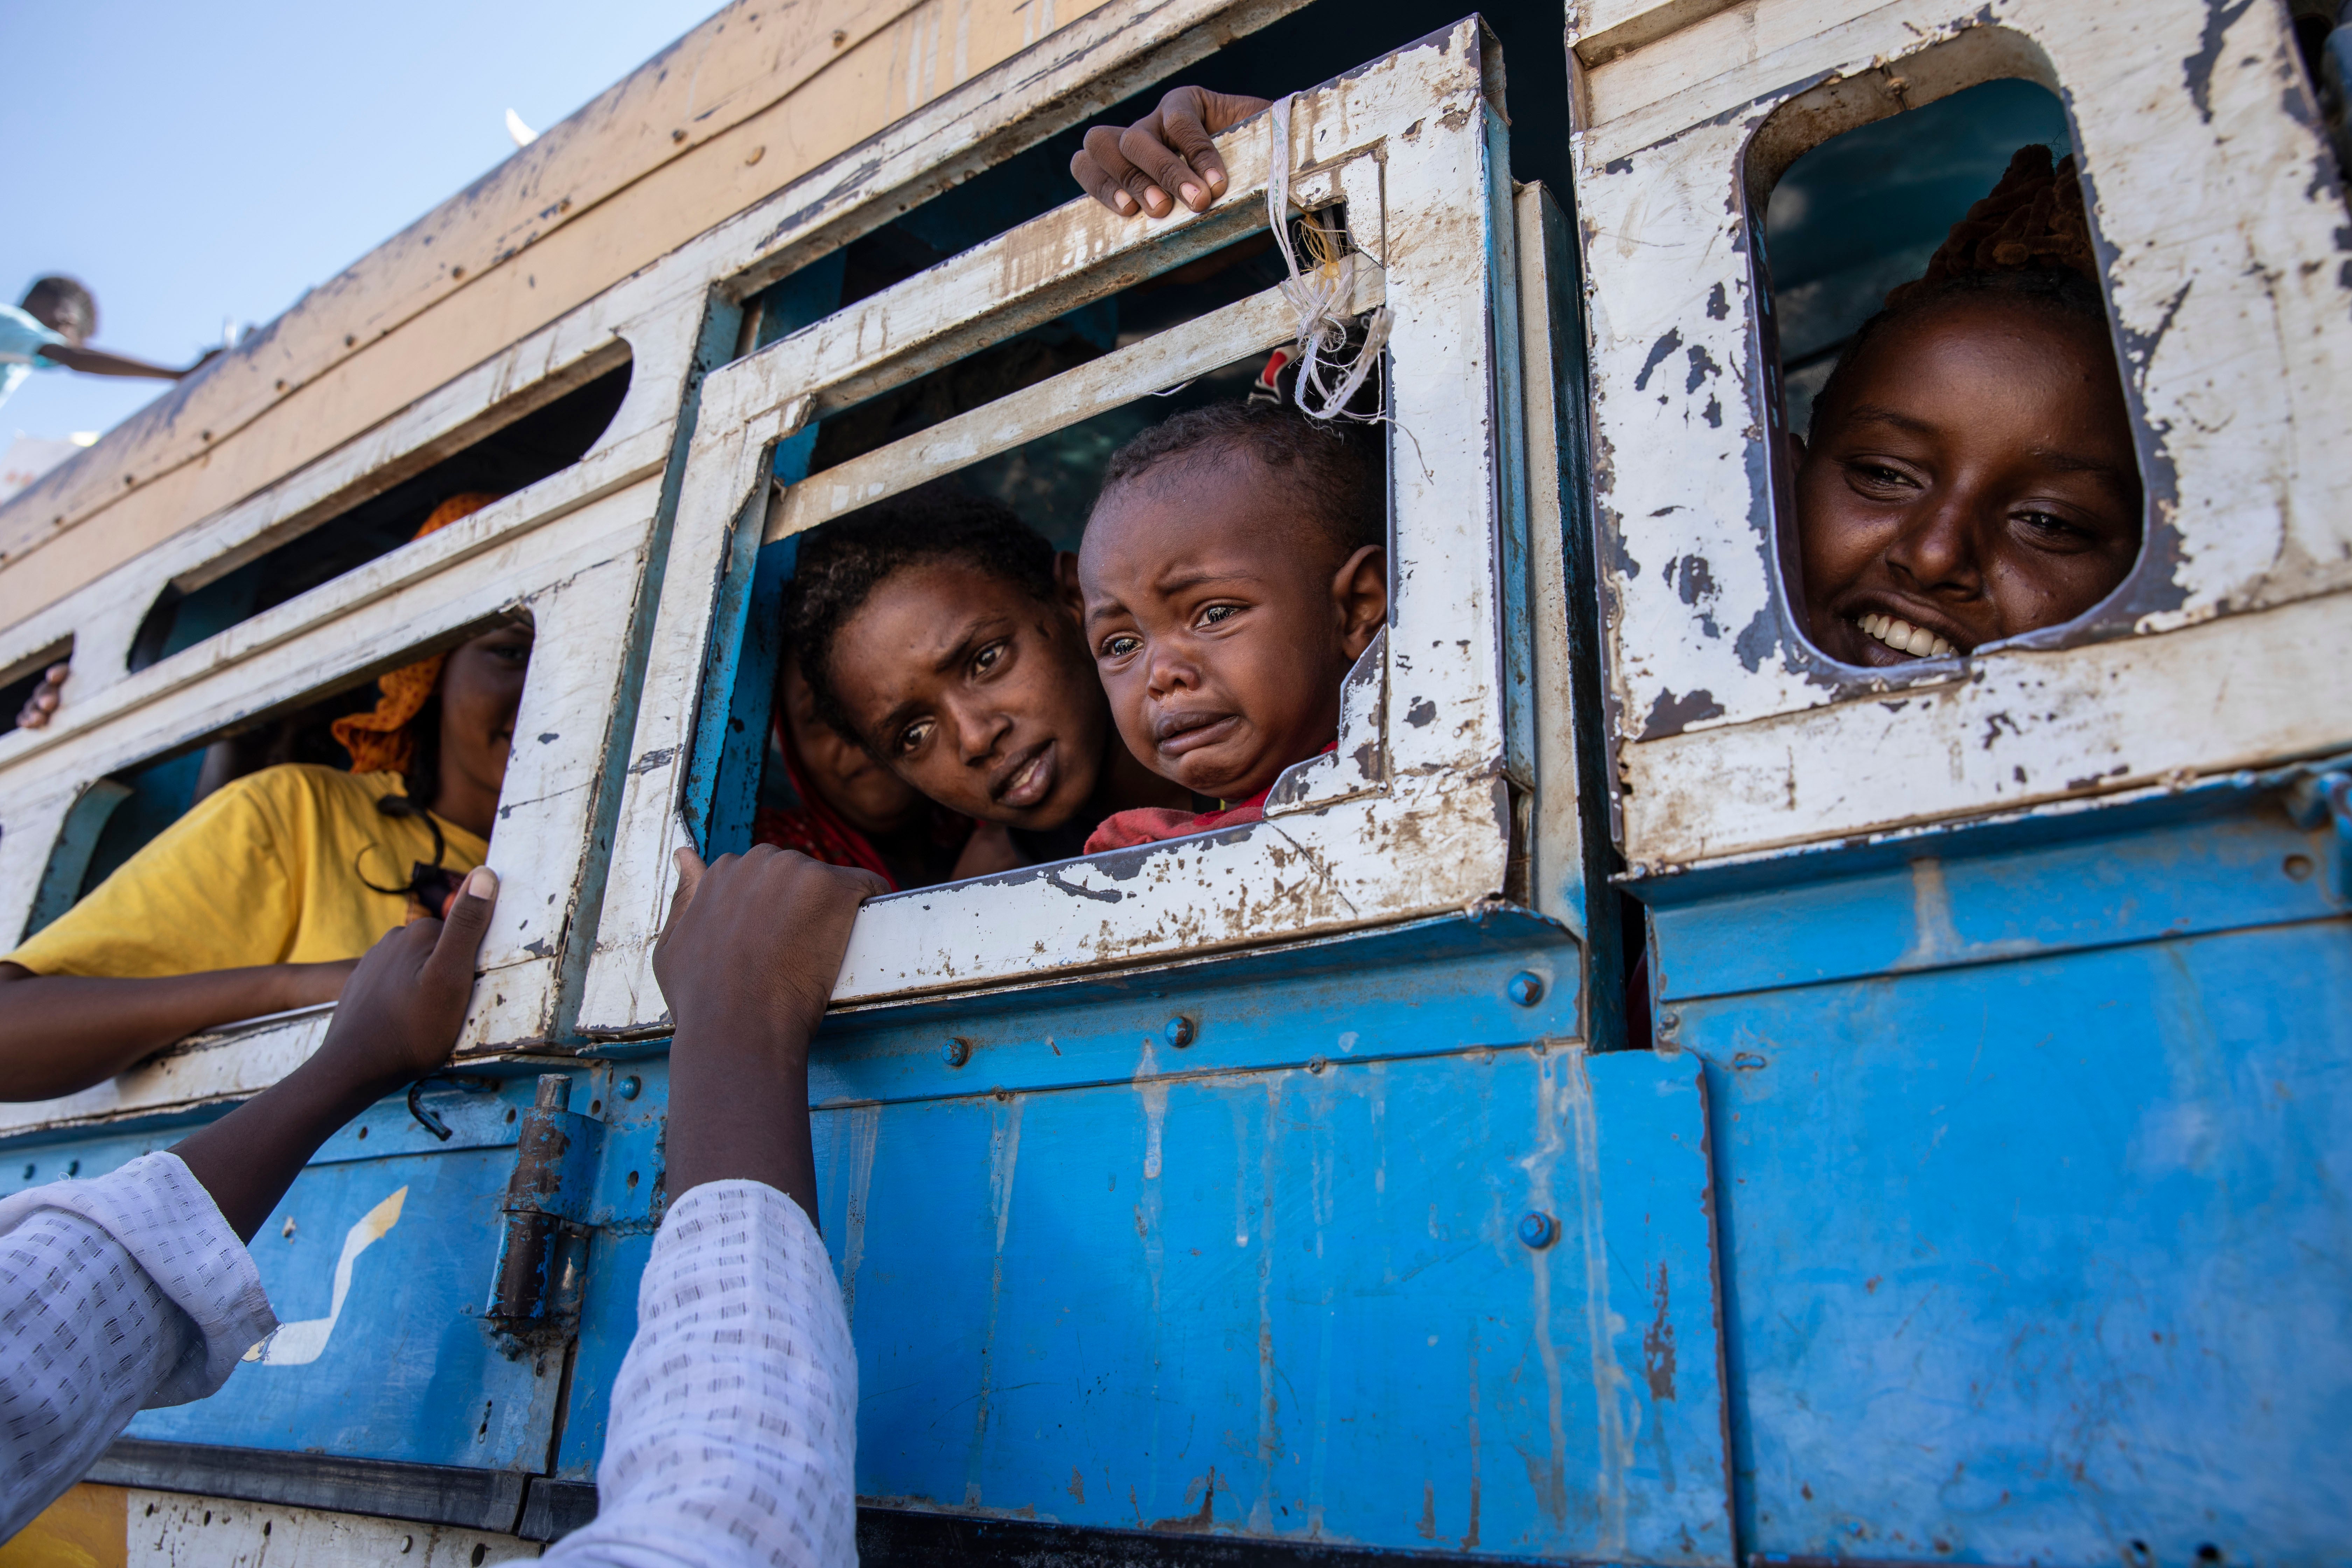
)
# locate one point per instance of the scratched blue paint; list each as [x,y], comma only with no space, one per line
[2036,1193]
[625,1206]
[1293,1303]
[409,1372]
[1431,986]
[2206,874]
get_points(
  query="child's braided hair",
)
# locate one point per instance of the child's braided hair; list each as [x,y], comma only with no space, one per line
[2029,240]
[2033,221]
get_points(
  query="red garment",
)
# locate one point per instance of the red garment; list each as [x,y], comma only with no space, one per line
[1157,824]
[812,827]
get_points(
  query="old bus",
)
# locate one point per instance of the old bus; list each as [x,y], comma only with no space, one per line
[1963,1175]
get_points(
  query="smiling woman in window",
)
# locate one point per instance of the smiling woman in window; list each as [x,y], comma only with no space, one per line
[1970,475]
[262,899]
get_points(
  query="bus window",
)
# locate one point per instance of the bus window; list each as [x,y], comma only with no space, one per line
[159,792]
[1372,154]
[1752,707]
[145,799]
[1974,478]
[2325,45]
[1860,213]
[519,450]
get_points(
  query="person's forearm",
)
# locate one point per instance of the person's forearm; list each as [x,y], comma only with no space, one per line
[61,1033]
[98,361]
[739,1107]
[249,1158]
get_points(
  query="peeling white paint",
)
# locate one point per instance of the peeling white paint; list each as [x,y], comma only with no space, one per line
[2219,212]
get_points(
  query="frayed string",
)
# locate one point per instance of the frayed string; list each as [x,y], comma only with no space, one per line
[1319,293]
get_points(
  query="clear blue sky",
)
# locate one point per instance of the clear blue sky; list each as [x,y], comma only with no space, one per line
[196,162]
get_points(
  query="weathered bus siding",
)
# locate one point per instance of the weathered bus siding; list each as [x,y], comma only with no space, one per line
[718,124]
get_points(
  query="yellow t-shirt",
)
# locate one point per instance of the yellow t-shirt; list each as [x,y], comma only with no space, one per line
[268,868]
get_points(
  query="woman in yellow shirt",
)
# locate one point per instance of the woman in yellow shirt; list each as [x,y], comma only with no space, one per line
[263,897]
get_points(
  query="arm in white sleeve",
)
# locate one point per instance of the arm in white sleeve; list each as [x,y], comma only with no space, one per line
[733,1436]
[117,1294]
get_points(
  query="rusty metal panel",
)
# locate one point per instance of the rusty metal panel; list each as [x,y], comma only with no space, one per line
[1461,1304]
[2217,206]
[2032,1160]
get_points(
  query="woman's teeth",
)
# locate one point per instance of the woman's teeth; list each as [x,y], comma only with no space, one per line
[1904,638]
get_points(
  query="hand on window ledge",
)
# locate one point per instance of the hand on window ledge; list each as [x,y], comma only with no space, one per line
[1132,169]
[42,702]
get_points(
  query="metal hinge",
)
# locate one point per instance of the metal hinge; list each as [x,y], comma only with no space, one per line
[542,1246]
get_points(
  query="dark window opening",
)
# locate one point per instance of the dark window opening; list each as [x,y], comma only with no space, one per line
[121,813]
[18,683]
[2323,38]
[520,453]
[1051,481]
[1958,463]
[1862,213]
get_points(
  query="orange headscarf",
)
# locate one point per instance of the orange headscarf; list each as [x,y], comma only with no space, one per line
[379,741]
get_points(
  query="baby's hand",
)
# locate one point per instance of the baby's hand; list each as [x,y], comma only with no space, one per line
[399,1013]
[1132,169]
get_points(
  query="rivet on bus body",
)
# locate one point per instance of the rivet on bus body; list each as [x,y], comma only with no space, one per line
[1525,989]
[956,1052]
[1538,1230]
[1669,1021]
[1316,1063]
[1179,1031]
[629,1088]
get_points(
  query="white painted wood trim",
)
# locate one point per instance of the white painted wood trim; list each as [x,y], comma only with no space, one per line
[2218,210]
[1167,359]
[1405,140]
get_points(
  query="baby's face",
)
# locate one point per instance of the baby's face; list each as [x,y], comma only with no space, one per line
[1219,627]
[975,693]
[869,796]
[1974,480]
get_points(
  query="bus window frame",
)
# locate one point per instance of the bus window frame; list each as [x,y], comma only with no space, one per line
[1729,735]
[1413,146]
[569,551]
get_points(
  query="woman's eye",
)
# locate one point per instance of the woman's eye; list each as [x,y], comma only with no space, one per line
[2050,529]
[1879,475]
[987,659]
[912,737]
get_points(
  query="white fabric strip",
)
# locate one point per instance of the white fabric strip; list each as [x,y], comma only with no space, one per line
[117,1294]
[1318,293]
[733,1437]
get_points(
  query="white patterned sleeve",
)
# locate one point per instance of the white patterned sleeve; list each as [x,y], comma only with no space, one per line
[117,1294]
[733,1437]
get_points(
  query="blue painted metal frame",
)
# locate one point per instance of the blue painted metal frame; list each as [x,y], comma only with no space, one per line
[2036,1186]
[722,784]
[1508,409]
[1325,1324]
